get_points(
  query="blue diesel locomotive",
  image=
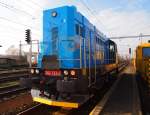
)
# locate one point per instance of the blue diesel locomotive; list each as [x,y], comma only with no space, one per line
[74,57]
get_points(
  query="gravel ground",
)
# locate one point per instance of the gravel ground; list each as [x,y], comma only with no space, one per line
[16,104]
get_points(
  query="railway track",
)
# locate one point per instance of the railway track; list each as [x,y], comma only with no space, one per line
[40,109]
[13,71]
[9,82]
[13,91]
[13,77]
[8,86]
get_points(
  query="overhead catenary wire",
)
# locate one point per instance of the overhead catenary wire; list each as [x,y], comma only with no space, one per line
[3,18]
[36,4]
[15,29]
[16,10]
[124,37]
[13,9]
[30,4]
[94,11]
[91,12]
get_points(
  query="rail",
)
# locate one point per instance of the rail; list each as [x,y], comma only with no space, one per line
[9,82]
[10,92]
[12,77]
[25,112]
[13,71]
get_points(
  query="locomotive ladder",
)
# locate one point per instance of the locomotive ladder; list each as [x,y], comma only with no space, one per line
[83,55]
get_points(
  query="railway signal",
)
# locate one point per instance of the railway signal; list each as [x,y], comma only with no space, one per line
[28,36]
[29,41]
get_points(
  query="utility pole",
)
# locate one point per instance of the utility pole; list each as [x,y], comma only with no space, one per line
[20,51]
[140,37]
[30,54]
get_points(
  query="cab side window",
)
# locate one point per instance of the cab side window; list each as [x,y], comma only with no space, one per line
[79,30]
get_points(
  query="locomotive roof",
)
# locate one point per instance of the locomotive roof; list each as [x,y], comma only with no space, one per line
[88,23]
[144,45]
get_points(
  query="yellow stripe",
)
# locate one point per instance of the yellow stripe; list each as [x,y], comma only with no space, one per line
[56,103]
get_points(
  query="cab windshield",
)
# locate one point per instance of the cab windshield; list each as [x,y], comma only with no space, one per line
[146,52]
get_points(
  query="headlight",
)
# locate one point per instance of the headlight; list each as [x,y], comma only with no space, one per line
[54,14]
[65,72]
[37,71]
[32,71]
[72,72]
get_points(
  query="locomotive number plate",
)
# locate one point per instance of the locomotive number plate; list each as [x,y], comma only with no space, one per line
[53,73]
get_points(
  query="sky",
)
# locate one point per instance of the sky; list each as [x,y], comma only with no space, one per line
[112,17]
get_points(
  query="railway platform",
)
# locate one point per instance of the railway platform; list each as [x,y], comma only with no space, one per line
[123,97]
